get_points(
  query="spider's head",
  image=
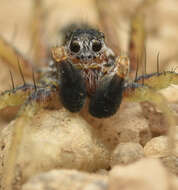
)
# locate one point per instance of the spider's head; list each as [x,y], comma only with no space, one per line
[85,44]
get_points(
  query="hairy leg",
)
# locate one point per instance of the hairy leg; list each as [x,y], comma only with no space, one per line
[72,87]
[41,98]
[38,33]
[107,98]
[12,56]
[106,101]
[16,96]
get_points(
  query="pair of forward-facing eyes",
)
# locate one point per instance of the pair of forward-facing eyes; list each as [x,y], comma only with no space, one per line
[75,46]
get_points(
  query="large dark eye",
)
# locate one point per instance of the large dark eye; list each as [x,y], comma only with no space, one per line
[96,46]
[75,47]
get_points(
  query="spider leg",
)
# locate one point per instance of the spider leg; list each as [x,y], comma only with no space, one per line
[158,80]
[58,53]
[108,96]
[137,91]
[37,29]
[72,85]
[11,56]
[107,23]
[16,96]
[44,97]
[137,39]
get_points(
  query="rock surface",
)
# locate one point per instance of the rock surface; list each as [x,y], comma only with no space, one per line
[56,139]
[126,153]
[146,174]
[158,147]
[67,179]
[127,125]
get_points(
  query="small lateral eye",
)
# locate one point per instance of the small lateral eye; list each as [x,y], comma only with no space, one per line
[96,46]
[75,47]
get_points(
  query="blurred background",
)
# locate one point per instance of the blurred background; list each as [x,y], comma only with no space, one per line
[113,17]
[160,20]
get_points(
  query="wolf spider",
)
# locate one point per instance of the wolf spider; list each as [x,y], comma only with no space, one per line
[83,67]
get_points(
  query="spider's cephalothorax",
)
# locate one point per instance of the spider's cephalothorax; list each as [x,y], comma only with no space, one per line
[86,49]
[85,44]
[87,67]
